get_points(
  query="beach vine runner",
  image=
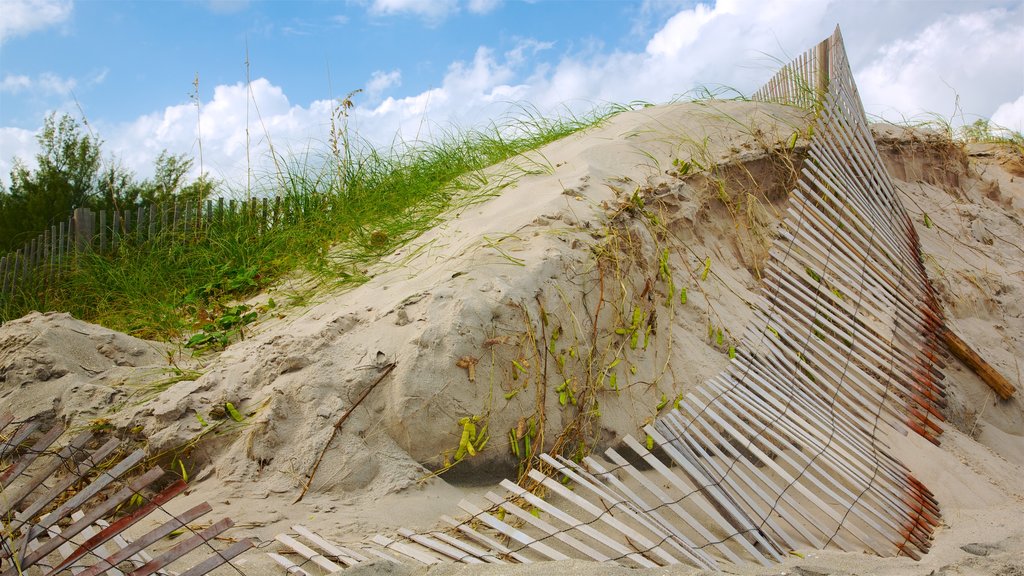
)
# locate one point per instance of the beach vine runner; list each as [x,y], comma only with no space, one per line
[781,451]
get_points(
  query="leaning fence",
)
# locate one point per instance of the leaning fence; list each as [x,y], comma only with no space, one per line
[784,449]
[41,261]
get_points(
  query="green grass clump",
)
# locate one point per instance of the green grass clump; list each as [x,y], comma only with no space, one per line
[349,205]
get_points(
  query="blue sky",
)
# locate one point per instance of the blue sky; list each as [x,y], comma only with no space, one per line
[429,64]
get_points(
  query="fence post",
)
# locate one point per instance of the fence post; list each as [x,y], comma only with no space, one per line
[822,70]
[103,231]
[83,225]
[115,231]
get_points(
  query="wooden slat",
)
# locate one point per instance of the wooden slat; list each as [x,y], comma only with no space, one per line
[14,498]
[175,523]
[403,548]
[219,558]
[426,541]
[92,515]
[497,547]
[34,452]
[308,553]
[513,533]
[645,543]
[113,530]
[183,548]
[468,548]
[289,566]
[547,528]
[566,519]
[344,555]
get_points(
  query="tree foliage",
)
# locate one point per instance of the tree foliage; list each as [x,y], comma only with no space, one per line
[72,173]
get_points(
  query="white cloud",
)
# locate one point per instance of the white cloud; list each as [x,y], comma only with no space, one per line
[482,6]
[960,66]
[1010,115]
[237,129]
[16,143]
[15,83]
[381,81]
[23,17]
[433,11]
[46,83]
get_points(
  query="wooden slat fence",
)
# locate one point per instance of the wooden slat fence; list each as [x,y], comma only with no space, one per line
[782,450]
[40,262]
[59,509]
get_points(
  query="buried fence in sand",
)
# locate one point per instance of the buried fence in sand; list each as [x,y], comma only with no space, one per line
[53,503]
[781,451]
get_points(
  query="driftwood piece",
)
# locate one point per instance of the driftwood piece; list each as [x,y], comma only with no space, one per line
[983,369]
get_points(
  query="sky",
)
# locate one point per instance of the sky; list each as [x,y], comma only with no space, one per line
[238,76]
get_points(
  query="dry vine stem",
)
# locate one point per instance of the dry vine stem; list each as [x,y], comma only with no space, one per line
[341,421]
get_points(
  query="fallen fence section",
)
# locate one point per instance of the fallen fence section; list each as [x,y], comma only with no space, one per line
[782,450]
[66,509]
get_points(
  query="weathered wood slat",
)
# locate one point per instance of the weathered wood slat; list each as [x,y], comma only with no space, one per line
[484,555]
[34,452]
[411,551]
[93,515]
[614,545]
[288,565]
[452,552]
[491,543]
[547,529]
[344,555]
[182,548]
[513,533]
[308,553]
[645,543]
[219,558]
[115,529]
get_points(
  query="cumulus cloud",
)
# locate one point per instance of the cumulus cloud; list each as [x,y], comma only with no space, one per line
[381,81]
[482,6]
[23,17]
[431,10]
[15,83]
[238,128]
[965,64]
[1010,115]
[17,143]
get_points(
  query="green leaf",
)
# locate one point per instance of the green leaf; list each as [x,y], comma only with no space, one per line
[233,412]
[663,403]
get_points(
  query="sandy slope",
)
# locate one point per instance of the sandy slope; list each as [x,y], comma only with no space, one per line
[562,232]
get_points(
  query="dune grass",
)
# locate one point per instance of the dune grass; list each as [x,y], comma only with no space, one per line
[358,203]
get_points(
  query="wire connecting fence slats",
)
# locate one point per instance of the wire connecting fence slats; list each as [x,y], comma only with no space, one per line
[55,505]
[782,450]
